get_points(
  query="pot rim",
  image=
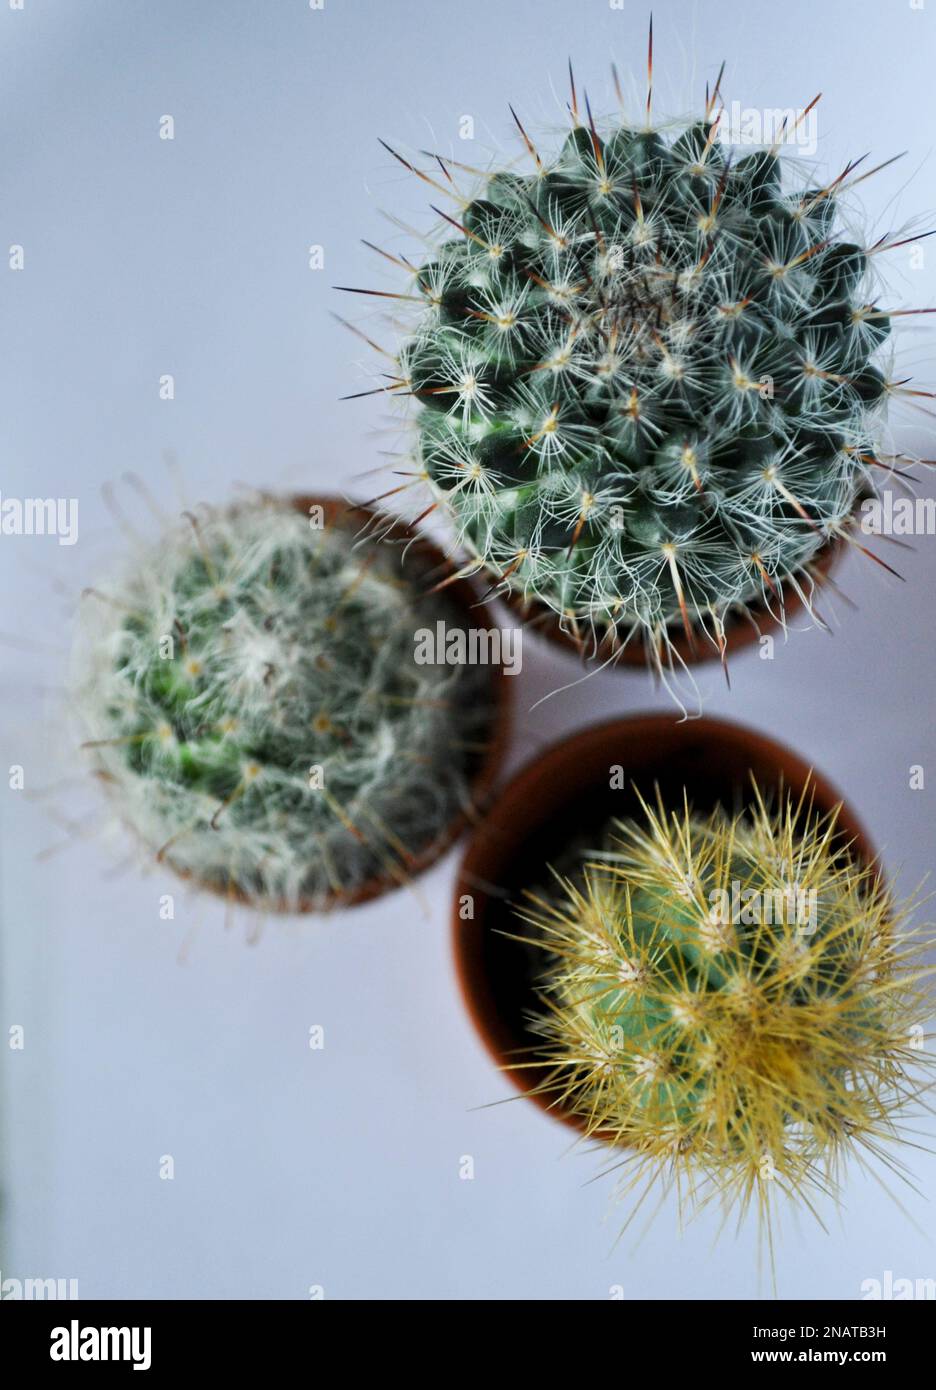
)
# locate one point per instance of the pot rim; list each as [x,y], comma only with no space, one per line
[748,622]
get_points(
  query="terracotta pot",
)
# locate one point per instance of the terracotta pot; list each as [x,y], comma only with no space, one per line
[743,629]
[564,792]
[425,558]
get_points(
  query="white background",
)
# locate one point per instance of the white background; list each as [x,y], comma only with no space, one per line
[340,1167]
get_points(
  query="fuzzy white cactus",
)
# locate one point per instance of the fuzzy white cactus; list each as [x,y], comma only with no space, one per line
[252,701]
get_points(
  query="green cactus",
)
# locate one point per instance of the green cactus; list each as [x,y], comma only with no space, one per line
[256,707]
[731,1001]
[648,379]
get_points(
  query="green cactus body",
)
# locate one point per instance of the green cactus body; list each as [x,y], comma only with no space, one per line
[255,706]
[646,381]
[727,999]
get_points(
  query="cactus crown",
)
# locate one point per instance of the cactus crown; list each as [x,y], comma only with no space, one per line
[255,708]
[646,378]
[728,999]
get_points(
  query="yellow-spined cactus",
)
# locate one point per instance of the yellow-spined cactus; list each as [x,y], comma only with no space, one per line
[732,1000]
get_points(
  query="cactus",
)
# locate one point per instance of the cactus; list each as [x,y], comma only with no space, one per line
[257,711]
[648,378]
[730,1000]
